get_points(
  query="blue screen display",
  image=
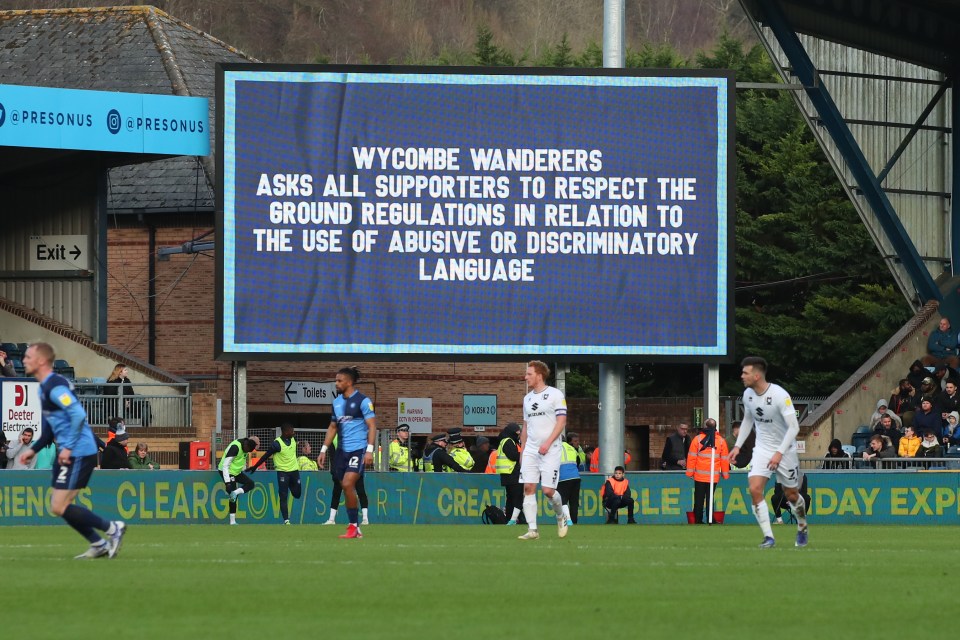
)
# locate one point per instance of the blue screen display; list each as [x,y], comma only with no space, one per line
[451,214]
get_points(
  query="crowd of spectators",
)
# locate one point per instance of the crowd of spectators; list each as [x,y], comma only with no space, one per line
[922,415]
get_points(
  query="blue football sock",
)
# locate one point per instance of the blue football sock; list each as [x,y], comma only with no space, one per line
[84,522]
[352,515]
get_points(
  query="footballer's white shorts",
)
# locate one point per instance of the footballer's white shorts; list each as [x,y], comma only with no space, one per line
[536,468]
[788,472]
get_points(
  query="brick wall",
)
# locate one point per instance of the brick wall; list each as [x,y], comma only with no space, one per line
[658,416]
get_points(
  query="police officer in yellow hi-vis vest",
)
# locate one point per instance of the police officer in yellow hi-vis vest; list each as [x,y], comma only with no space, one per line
[400,450]
[305,462]
[508,455]
[231,468]
[440,459]
[458,451]
[283,451]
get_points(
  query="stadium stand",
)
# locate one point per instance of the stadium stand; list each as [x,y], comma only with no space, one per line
[12,350]
[63,368]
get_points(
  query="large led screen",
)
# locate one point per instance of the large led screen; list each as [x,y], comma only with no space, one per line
[445,213]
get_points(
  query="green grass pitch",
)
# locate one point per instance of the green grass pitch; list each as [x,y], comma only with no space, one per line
[410,581]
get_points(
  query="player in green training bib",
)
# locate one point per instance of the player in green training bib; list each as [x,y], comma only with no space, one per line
[283,450]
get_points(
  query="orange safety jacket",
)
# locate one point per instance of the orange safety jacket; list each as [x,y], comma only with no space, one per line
[491,462]
[698,459]
[595,460]
[620,487]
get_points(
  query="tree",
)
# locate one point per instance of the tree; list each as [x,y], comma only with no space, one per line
[487,54]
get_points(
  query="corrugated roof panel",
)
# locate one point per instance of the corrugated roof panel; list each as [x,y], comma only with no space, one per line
[891,97]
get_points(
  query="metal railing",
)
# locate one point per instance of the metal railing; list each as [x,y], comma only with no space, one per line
[140,410]
[888,464]
[804,406]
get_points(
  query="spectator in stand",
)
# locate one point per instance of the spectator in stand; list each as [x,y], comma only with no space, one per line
[942,346]
[836,457]
[878,450]
[930,446]
[881,411]
[115,453]
[951,434]
[676,449]
[901,401]
[14,449]
[909,443]
[140,459]
[930,388]
[6,366]
[115,426]
[926,418]
[4,443]
[916,375]
[942,374]
[948,400]
[118,384]
[889,429]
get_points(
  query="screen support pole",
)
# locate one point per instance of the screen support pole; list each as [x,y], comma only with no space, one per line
[612,375]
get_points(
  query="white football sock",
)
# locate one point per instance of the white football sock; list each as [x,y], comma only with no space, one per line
[762,513]
[530,511]
[799,512]
[566,512]
[515,514]
[332,515]
[363,512]
[557,503]
[233,518]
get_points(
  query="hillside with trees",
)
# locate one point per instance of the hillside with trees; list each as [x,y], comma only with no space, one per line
[423,31]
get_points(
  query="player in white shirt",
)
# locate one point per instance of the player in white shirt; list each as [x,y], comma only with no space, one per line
[544,417]
[768,408]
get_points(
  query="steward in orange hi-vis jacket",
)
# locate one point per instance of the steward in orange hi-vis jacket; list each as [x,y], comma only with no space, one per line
[706,446]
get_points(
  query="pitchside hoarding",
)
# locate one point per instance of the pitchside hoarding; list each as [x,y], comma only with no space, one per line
[438,213]
[182,497]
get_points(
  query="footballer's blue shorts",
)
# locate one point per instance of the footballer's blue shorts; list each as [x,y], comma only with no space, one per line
[74,475]
[347,462]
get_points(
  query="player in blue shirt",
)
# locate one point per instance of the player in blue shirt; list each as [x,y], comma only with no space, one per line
[353,419]
[65,422]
